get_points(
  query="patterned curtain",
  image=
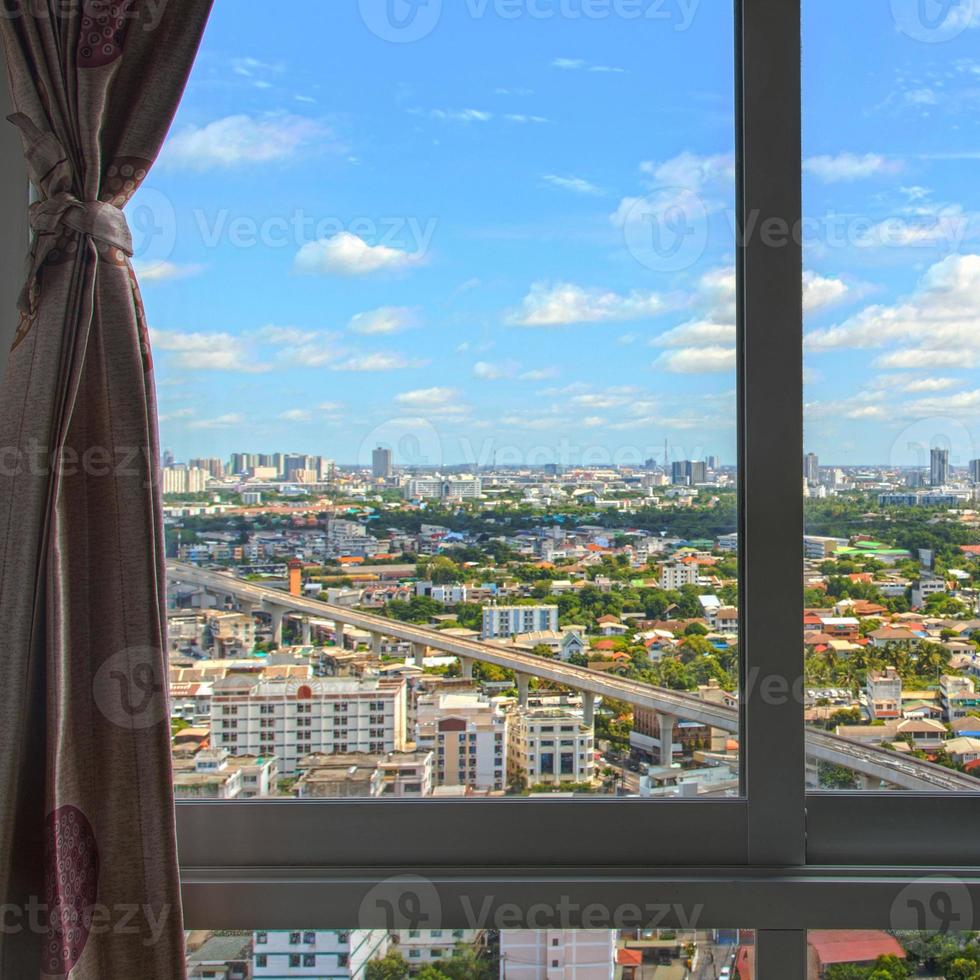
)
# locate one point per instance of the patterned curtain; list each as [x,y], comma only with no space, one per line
[88,871]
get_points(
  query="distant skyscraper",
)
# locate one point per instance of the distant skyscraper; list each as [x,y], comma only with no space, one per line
[168,458]
[381,464]
[713,462]
[939,467]
[975,470]
[685,472]
[811,468]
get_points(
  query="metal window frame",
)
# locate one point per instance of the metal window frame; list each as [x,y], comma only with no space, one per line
[778,860]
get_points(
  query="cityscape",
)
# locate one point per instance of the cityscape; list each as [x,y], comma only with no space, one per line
[446,358]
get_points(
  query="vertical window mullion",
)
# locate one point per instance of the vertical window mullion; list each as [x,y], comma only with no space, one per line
[770,359]
[780,954]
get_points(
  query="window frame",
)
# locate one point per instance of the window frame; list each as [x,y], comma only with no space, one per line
[779,859]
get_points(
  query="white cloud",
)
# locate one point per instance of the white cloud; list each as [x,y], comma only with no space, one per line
[384,320]
[539,374]
[822,291]
[578,185]
[378,362]
[461,115]
[964,403]
[939,318]
[697,360]
[230,421]
[690,170]
[152,272]
[487,371]
[346,254]
[561,304]
[241,139]
[516,117]
[849,167]
[928,357]
[429,397]
[207,352]
[297,415]
[283,336]
[578,64]
[920,385]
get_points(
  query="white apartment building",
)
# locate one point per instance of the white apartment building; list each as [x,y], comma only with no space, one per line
[291,719]
[557,954]
[316,954]
[185,479]
[884,690]
[397,775]
[505,621]
[468,734]
[926,586]
[350,538]
[215,774]
[419,947]
[440,488]
[818,547]
[449,595]
[677,574]
[551,745]
[959,697]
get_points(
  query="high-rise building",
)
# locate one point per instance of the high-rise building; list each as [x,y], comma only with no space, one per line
[381,464]
[551,746]
[975,470]
[939,467]
[689,473]
[184,479]
[713,463]
[811,468]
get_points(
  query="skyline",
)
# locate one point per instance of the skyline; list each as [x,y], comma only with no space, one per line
[496,289]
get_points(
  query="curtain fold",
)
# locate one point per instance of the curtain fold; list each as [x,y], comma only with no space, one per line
[88,868]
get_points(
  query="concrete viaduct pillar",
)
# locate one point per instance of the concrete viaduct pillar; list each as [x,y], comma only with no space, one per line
[376,643]
[246,607]
[588,709]
[523,688]
[418,654]
[667,723]
[278,614]
[466,667]
[307,629]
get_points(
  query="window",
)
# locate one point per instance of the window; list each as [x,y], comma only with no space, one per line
[763,822]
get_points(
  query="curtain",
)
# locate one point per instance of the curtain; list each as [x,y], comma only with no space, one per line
[88,871]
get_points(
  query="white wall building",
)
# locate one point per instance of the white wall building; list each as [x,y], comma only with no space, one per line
[557,954]
[677,574]
[551,745]
[468,734]
[440,488]
[291,719]
[315,954]
[504,621]
[419,947]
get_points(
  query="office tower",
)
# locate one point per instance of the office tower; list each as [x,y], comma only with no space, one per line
[713,463]
[939,467]
[381,464]
[975,470]
[811,468]
[688,473]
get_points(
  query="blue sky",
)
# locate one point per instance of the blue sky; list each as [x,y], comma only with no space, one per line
[507,229]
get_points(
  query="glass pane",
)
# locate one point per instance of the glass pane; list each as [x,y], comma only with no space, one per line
[473,954]
[892,470]
[444,338]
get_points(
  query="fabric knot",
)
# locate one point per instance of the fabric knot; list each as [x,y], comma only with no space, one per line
[59,209]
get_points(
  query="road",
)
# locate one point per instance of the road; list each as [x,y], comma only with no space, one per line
[877,763]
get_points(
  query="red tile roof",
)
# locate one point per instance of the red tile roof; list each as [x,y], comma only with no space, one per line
[853,945]
[629,957]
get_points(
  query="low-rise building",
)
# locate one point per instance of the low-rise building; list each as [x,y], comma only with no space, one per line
[884,690]
[317,953]
[551,746]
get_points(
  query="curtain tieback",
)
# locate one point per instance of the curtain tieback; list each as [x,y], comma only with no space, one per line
[60,209]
